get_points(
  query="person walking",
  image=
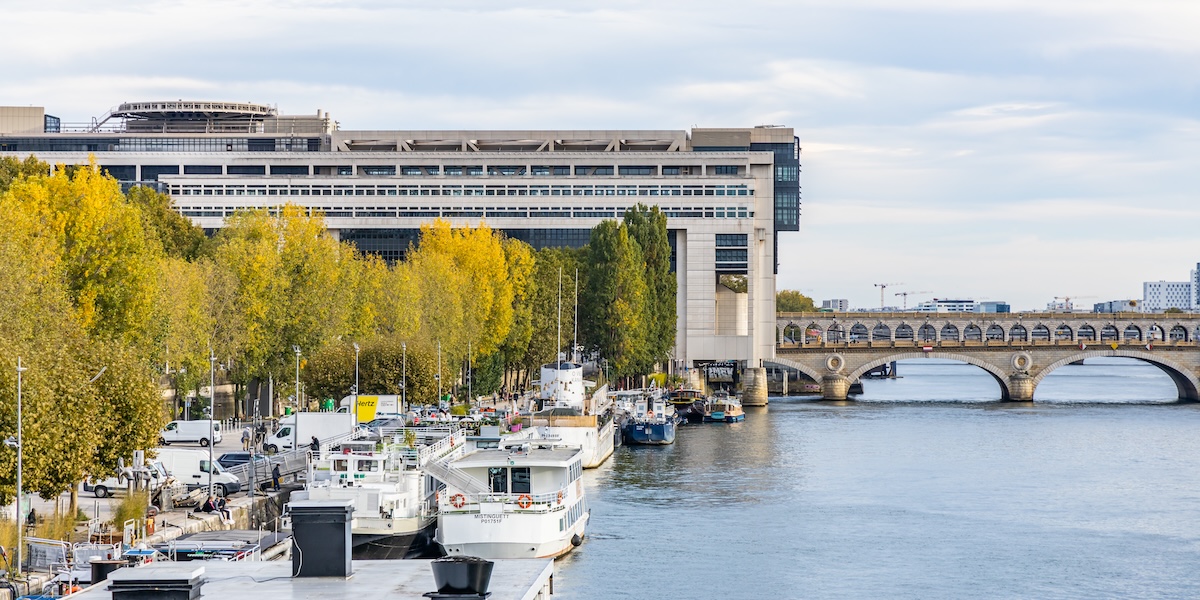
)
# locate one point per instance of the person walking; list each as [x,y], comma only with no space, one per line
[275,477]
[247,435]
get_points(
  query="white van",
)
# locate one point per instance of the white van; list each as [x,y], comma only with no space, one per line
[154,473]
[190,467]
[203,431]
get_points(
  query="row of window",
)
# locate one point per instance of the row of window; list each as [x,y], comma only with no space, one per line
[465,212]
[151,172]
[457,190]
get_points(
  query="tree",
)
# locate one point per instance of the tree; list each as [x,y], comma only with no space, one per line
[1173,311]
[12,169]
[177,235]
[648,228]
[615,303]
[544,301]
[793,301]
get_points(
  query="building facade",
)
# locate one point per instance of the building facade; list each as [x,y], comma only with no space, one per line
[727,193]
[946,306]
[1158,296]
[1117,306]
[836,305]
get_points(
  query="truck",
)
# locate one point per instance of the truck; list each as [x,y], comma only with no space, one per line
[321,425]
[370,408]
[191,467]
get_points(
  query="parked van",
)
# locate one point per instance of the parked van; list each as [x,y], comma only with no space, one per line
[204,431]
[154,474]
[190,467]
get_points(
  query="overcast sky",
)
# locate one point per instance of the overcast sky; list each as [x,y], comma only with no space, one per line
[1009,150]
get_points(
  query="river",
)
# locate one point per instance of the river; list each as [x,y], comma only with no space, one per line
[925,488]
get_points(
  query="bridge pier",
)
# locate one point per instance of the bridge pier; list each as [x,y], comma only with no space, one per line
[754,386]
[1020,388]
[834,387]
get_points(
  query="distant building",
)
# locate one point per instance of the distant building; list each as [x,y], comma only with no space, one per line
[993,307]
[1196,288]
[946,306]
[1116,306]
[836,305]
[1158,296]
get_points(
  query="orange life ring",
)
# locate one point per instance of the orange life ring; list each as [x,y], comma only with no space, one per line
[560,496]
[650,414]
[458,500]
[524,501]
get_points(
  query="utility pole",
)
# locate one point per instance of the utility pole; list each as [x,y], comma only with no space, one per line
[20,551]
[296,427]
[212,408]
[882,287]
[404,379]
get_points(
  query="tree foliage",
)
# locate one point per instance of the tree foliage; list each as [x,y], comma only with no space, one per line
[616,300]
[793,301]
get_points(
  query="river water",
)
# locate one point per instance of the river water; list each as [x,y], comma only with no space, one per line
[925,488]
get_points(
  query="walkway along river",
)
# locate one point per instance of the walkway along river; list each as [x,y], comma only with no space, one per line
[926,488]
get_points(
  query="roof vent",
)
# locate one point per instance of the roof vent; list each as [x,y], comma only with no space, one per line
[161,581]
[321,537]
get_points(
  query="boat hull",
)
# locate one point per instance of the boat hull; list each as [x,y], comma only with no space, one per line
[521,537]
[691,412]
[413,544]
[649,434]
[724,418]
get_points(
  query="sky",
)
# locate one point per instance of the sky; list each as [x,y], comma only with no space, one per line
[1010,150]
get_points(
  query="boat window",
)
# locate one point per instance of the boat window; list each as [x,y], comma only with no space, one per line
[368,466]
[341,464]
[498,476]
[520,480]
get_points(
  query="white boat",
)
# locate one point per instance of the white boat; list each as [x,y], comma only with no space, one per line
[522,500]
[572,418]
[395,499]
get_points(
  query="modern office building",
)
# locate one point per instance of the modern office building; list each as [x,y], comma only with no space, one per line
[1116,306]
[993,306]
[1158,296]
[836,305]
[939,305]
[727,193]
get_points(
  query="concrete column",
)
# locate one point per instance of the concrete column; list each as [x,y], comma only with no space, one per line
[834,387]
[1020,388]
[754,386]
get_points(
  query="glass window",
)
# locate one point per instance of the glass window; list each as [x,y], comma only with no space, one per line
[725,170]
[521,480]
[498,479]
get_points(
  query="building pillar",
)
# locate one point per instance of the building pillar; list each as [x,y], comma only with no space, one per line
[1020,387]
[754,386]
[834,387]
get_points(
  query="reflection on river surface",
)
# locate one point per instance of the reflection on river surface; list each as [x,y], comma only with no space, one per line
[923,489]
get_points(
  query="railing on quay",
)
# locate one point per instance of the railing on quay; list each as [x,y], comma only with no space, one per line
[1128,344]
[536,502]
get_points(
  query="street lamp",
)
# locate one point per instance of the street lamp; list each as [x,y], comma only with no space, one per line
[439,374]
[356,350]
[19,552]
[212,408]
[404,379]
[296,427]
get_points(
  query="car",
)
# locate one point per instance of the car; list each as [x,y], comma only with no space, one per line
[374,429]
[230,459]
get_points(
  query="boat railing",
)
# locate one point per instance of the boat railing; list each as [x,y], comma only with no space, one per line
[532,502]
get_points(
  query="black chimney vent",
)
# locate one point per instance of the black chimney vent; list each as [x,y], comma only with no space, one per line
[160,581]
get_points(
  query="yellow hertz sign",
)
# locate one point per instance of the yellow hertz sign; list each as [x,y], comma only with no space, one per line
[367,407]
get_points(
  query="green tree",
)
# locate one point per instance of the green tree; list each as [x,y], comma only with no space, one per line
[648,228]
[544,301]
[177,235]
[12,169]
[793,301]
[615,303]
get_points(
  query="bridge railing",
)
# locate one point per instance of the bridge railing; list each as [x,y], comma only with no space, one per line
[1129,344]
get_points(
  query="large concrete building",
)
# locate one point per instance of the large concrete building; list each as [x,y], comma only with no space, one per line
[727,193]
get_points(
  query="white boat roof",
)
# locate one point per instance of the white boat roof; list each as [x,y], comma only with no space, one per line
[536,456]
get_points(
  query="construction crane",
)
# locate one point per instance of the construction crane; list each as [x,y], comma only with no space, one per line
[905,295]
[882,287]
[1066,300]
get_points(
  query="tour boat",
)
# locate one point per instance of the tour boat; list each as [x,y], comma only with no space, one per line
[395,505]
[723,408]
[689,404]
[651,420]
[522,500]
[571,417]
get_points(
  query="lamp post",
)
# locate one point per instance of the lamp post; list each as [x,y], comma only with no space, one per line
[19,553]
[296,427]
[404,378]
[439,375]
[212,404]
[356,350]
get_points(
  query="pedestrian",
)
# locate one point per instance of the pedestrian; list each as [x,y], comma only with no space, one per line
[220,506]
[275,476]
[315,444]
[209,505]
[247,435]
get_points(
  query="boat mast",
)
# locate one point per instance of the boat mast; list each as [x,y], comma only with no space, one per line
[558,348]
[575,342]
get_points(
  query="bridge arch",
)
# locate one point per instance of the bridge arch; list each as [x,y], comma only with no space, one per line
[1108,333]
[1179,333]
[1063,332]
[973,333]
[881,333]
[1132,332]
[1018,333]
[904,332]
[1041,333]
[950,332]
[1186,382]
[927,333]
[996,372]
[812,374]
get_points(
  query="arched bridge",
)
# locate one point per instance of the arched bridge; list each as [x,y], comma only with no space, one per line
[1017,349]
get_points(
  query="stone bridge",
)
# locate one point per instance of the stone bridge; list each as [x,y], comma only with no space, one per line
[1017,349]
